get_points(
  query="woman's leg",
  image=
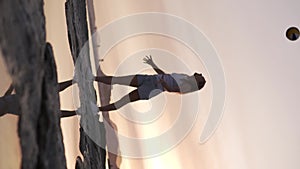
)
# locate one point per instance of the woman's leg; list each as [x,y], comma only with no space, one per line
[64,85]
[9,104]
[131,97]
[130,80]
[67,113]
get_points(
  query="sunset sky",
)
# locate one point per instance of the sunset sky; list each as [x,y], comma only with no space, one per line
[259,126]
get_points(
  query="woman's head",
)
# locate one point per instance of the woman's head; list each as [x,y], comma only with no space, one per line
[200,80]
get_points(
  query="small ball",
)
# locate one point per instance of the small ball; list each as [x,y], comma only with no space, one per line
[292,33]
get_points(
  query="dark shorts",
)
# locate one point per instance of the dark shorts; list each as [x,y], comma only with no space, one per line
[149,86]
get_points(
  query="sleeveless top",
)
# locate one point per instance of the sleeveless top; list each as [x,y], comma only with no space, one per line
[178,82]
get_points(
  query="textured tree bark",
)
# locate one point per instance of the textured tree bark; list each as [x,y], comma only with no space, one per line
[30,62]
[50,141]
[91,144]
[110,126]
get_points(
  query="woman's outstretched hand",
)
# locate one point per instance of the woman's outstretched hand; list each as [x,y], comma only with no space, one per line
[148,60]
